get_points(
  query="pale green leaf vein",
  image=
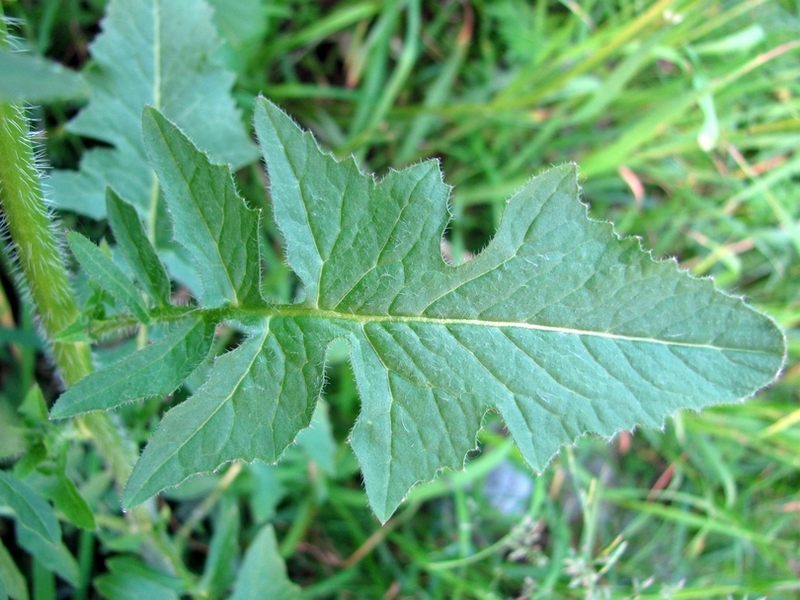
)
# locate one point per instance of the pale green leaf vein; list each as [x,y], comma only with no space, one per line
[167,457]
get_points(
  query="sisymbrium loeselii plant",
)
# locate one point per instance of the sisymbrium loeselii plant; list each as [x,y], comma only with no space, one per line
[558,325]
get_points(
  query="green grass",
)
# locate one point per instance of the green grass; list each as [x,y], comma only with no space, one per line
[499,91]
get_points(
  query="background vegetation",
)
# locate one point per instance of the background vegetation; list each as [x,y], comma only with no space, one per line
[684,118]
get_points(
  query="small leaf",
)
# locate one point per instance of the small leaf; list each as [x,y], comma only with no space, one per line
[30,78]
[32,512]
[107,275]
[76,332]
[318,440]
[159,54]
[37,528]
[137,249]
[263,572]
[34,408]
[155,370]
[210,219]
[69,501]
[223,553]
[10,576]
[131,579]
[121,586]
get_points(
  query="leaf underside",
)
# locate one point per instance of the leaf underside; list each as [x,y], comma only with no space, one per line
[134,245]
[31,78]
[558,325]
[158,54]
[158,369]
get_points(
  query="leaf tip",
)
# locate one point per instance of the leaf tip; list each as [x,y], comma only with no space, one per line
[58,412]
[68,405]
[135,493]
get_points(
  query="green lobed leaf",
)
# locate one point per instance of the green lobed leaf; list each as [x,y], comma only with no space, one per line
[108,275]
[209,217]
[158,54]
[31,78]
[263,572]
[137,249]
[155,370]
[557,325]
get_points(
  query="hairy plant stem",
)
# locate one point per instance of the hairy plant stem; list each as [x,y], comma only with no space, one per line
[40,260]
[39,255]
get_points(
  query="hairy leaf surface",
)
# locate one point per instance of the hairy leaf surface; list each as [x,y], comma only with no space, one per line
[150,53]
[137,249]
[558,325]
[222,236]
[242,411]
[157,369]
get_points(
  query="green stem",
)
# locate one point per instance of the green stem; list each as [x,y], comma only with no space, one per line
[37,249]
[85,563]
[44,582]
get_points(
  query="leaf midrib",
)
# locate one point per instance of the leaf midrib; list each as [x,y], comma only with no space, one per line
[365,319]
[152,209]
[245,313]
